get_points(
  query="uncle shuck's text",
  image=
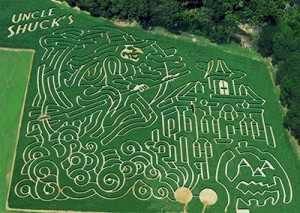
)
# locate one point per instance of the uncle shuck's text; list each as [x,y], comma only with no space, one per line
[39,19]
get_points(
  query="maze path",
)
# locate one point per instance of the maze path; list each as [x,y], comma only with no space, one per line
[97,90]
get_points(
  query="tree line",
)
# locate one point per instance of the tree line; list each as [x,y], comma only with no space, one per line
[218,20]
[281,41]
[215,19]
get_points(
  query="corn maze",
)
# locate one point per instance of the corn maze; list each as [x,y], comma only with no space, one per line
[111,116]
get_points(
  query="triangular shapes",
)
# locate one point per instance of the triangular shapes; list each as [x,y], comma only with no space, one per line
[244,162]
[267,165]
[258,172]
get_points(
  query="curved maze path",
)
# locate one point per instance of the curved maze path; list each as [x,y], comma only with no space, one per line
[115,114]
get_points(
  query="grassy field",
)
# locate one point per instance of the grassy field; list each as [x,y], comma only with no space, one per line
[119,119]
[15,68]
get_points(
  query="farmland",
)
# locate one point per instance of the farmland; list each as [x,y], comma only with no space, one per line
[118,119]
[13,83]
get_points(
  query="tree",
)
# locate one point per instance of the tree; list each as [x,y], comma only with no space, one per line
[292,119]
[288,76]
[198,20]
[287,39]
[191,4]
[143,11]
[167,13]
[265,42]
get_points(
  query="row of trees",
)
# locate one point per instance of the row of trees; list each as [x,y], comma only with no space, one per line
[215,19]
[281,41]
[218,20]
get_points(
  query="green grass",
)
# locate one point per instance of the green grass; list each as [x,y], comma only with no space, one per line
[15,68]
[50,124]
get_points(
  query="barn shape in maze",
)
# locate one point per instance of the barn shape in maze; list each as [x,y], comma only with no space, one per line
[115,115]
